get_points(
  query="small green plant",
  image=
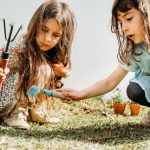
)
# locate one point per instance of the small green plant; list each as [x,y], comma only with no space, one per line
[117,96]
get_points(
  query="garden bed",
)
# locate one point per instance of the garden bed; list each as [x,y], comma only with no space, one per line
[86,125]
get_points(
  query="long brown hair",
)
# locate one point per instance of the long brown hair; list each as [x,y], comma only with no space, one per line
[35,68]
[126,46]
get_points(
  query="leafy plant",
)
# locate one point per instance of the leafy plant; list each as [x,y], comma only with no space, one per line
[117,96]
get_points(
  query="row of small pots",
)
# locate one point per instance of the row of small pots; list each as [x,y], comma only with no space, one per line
[119,108]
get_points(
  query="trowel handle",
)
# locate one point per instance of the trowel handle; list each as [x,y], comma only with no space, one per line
[3,63]
[55,94]
[4,60]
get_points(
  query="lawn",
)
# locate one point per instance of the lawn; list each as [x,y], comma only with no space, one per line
[86,125]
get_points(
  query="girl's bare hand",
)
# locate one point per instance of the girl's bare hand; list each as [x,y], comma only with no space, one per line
[3,73]
[73,94]
[6,71]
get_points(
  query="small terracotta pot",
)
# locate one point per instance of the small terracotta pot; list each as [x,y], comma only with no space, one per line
[135,109]
[119,108]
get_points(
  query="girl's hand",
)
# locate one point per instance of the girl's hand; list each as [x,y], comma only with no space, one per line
[60,70]
[3,73]
[74,95]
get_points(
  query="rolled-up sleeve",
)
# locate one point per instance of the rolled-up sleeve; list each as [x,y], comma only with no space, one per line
[133,66]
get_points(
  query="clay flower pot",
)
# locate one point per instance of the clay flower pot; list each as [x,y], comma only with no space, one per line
[119,108]
[135,109]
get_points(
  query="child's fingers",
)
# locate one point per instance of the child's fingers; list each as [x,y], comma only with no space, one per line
[3,73]
[6,70]
[1,70]
[66,92]
[2,76]
[67,101]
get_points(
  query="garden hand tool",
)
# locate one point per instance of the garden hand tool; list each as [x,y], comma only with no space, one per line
[34,90]
[5,53]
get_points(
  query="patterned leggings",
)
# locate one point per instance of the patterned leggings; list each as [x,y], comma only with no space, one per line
[137,94]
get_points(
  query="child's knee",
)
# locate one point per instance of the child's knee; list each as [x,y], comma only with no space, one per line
[133,91]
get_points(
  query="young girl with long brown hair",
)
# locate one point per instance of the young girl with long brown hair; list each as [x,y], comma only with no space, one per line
[41,57]
[131,24]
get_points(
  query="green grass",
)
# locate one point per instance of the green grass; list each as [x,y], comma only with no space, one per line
[85,125]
